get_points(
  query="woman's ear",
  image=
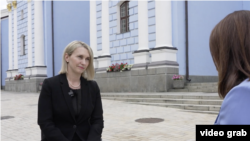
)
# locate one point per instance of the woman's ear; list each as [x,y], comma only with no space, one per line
[66,57]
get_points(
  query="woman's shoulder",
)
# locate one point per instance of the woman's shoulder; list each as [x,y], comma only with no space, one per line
[92,82]
[235,106]
[54,78]
[243,87]
[240,91]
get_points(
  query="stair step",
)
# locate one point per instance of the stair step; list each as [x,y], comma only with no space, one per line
[178,90]
[170,96]
[193,87]
[167,100]
[203,84]
[182,106]
[204,112]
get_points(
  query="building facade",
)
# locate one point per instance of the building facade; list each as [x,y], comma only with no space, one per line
[160,39]
[36,39]
[163,38]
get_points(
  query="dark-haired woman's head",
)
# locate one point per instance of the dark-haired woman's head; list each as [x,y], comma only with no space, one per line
[230,50]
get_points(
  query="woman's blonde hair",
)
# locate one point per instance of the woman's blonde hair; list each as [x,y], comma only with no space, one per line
[70,48]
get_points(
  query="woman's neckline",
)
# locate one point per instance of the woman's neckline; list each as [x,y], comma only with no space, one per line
[75,89]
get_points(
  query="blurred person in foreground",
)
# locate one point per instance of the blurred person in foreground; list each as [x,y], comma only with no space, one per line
[230,50]
[69,106]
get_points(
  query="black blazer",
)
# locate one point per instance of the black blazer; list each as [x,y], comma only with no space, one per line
[56,116]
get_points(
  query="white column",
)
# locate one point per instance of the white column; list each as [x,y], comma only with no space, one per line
[29,28]
[105,59]
[15,69]
[143,25]
[93,40]
[10,41]
[163,23]
[163,54]
[105,28]
[39,69]
[39,39]
[141,56]
[15,40]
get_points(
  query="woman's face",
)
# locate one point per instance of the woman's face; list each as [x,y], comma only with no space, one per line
[78,61]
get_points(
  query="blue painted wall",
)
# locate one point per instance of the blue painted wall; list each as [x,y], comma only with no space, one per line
[203,16]
[48,37]
[71,22]
[4,49]
[246,5]
[178,33]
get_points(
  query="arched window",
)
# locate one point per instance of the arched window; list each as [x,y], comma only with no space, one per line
[22,47]
[124,17]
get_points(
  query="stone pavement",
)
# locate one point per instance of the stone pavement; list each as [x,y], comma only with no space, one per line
[119,120]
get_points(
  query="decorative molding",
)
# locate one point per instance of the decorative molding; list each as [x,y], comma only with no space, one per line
[160,48]
[9,6]
[104,69]
[14,3]
[141,65]
[104,62]
[105,56]
[164,63]
[139,51]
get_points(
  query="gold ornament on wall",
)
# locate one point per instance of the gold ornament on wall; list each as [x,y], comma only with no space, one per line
[9,7]
[14,3]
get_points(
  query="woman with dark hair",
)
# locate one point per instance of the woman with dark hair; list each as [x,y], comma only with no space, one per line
[230,50]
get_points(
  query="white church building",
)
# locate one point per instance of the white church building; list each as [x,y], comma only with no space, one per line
[159,38]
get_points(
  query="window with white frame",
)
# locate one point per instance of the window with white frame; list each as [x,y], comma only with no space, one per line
[22,47]
[122,16]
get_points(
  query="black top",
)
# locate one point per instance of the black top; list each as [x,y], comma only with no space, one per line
[76,101]
[56,114]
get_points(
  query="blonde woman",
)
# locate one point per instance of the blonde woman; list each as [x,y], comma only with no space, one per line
[69,106]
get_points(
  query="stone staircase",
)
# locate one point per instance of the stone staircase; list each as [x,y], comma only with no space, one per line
[190,102]
[207,87]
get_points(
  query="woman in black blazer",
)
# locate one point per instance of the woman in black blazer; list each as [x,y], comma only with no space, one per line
[69,106]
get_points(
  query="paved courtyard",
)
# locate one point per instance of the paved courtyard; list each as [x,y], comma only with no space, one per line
[119,120]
